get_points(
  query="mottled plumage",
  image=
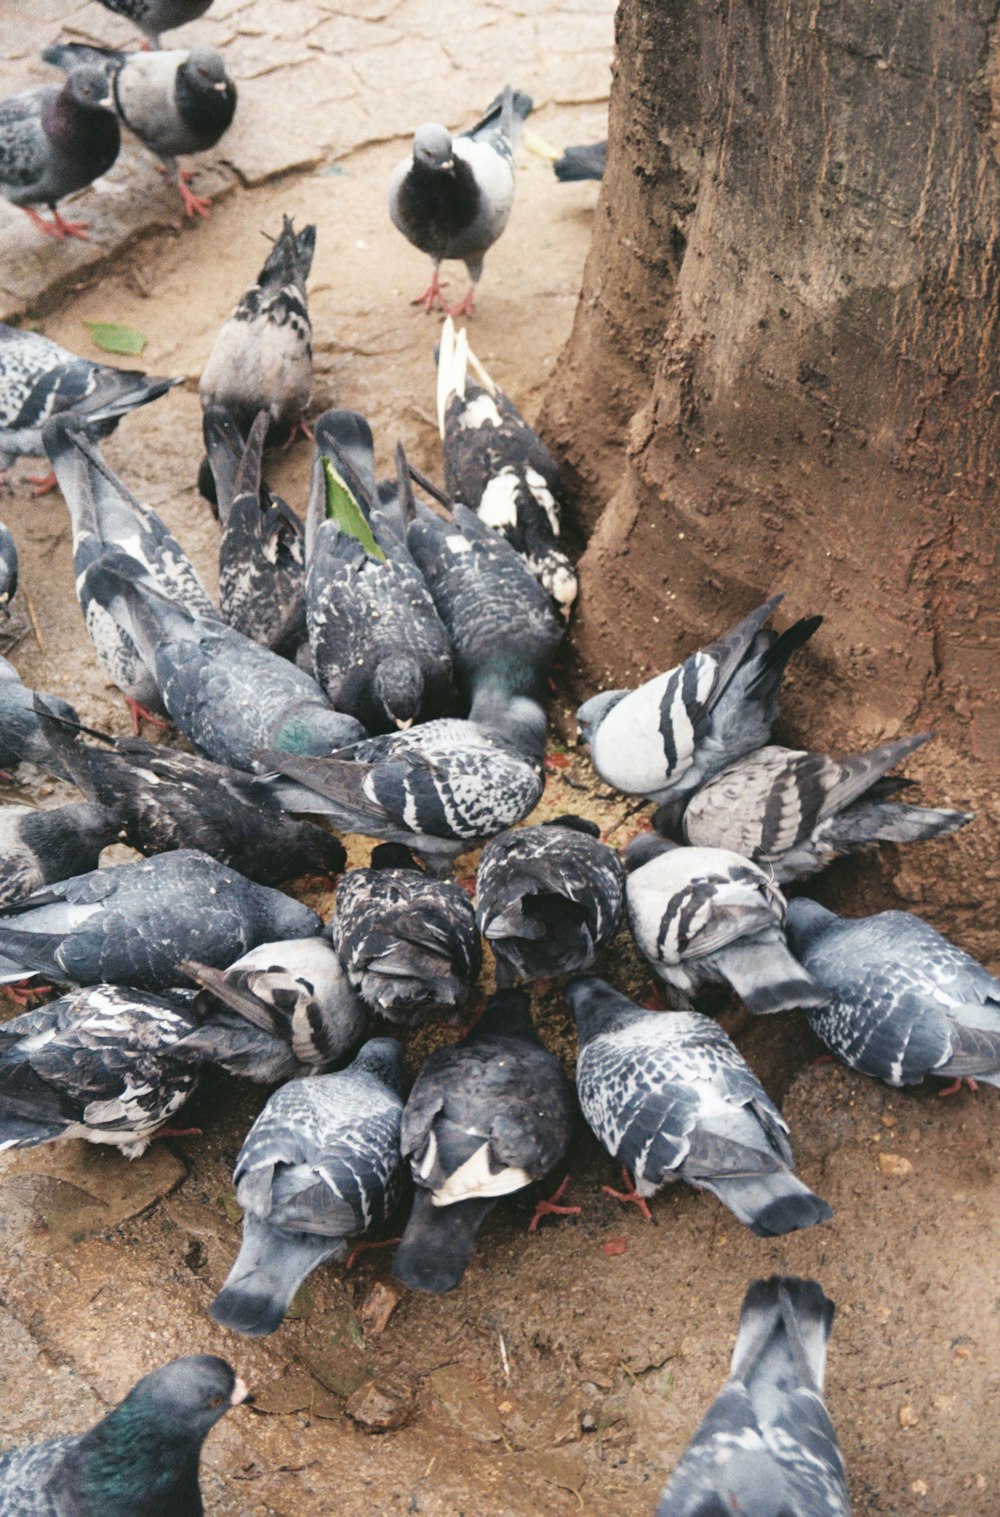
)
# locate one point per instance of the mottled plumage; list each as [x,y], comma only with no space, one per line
[54,140]
[21,737]
[37,847]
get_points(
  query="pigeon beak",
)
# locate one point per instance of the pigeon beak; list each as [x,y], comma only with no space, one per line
[222,86]
[241,1394]
[404,726]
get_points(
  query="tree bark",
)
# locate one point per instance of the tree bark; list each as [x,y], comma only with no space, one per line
[785,374]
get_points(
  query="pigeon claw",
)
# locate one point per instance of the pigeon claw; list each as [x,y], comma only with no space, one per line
[956,1085]
[23,992]
[58,227]
[363,1247]
[194,205]
[42,483]
[432,299]
[631,1195]
[464,307]
[550,1208]
[140,713]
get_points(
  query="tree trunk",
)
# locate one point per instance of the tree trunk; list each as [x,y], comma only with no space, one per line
[785,374]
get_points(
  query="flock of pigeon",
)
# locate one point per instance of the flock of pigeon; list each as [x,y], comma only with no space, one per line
[381,668]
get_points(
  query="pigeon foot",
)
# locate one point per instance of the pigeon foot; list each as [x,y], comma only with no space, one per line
[43,483]
[58,227]
[362,1248]
[956,1085]
[550,1208]
[139,713]
[432,299]
[632,1195]
[464,307]
[22,992]
[194,205]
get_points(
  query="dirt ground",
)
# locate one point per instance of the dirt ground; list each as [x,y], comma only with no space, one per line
[571,1366]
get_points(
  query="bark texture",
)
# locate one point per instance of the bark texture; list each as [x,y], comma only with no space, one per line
[785,374]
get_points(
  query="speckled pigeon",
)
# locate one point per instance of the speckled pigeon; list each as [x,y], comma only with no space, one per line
[706,916]
[452,196]
[548,898]
[670,1096]
[320,1165]
[8,568]
[142,1457]
[767,1446]
[904,1002]
[56,140]
[21,737]
[486,1117]
[38,847]
[673,733]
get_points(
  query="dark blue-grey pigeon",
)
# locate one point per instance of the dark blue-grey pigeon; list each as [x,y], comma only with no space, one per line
[22,739]
[795,812]
[8,567]
[142,1457]
[133,924]
[586,162]
[707,916]
[175,102]
[55,140]
[767,1446]
[155,16]
[670,1096]
[677,730]
[39,847]
[903,1001]
[320,1166]
[548,898]
[486,1117]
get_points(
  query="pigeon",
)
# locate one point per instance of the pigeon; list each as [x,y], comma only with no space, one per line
[486,1117]
[174,102]
[155,16]
[706,916]
[38,847]
[548,898]
[903,1002]
[452,197]
[100,1064]
[378,646]
[8,568]
[262,575]
[320,1165]
[164,799]
[409,943]
[142,1457]
[671,1097]
[767,1445]
[56,140]
[587,162]
[673,733]
[298,993]
[21,737]
[131,925]
[498,466]
[796,811]
[39,380]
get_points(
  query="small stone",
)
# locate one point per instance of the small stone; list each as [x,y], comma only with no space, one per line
[962,1352]
[894,1164]
[615,1246]
[381,1405]
[888,1121]
[377,1307]
[919,1487]
[907,1417]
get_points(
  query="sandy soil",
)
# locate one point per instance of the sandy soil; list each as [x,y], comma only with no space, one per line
[571,1366]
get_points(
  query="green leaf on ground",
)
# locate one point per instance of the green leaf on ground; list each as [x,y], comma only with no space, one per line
[111,338]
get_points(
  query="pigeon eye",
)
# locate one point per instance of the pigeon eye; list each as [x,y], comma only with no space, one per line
[216,1400]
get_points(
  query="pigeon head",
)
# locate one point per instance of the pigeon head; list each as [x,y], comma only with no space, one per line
[575,824]
[399,688]
[382,1057]
[88,85]
[187,1397]
[287,918]
[644,848]
[668,819]
[592,713]
[806,921]
[317,731]
[392,856]
[432,147]
[207,64]
[508,1013]
[596,1008]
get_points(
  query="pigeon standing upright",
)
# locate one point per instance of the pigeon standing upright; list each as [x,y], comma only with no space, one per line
[767,1445]
[486,1117]
[155,16]
[452,196]
[37,847]
[670,1096]
[54,141]
[142,1457]
[8,568]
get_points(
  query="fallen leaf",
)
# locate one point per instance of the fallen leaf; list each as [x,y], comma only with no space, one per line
[894,1164]
[111,338]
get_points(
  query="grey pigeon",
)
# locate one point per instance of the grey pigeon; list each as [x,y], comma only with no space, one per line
[298,993]
[155,16]
[102,1064]
[38,847]
[706,916]
[548,898]
[8,567]
[903,1001]
[132,925]
[677,730]
[409,943]
[56,140]
[586,162]
[796,812]
[142,1457]
[486,1117]
[378,646]
[671,1097]
[39,380]
[320,1166]
[452,196]
[498,466]
[767,1446]
[21,737]
[174,102]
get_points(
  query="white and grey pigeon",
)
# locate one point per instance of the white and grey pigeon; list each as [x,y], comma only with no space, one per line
[499,467]
[670,1096]
[486,1117]
[795,812]
[677,730]
[8,568]
[903,1001]
[22,739]
[767,1447]
[378,645]
[132,924]
[707,916]
[38,847]
[39,380]
[55,140]
[452,196]
[142,1457]
[409,943]
[175,102]
[548,898]
[104,1063]
[155,16]
[320,1166]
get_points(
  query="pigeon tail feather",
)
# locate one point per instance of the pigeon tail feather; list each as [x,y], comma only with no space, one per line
[769,1205]
[767,978]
